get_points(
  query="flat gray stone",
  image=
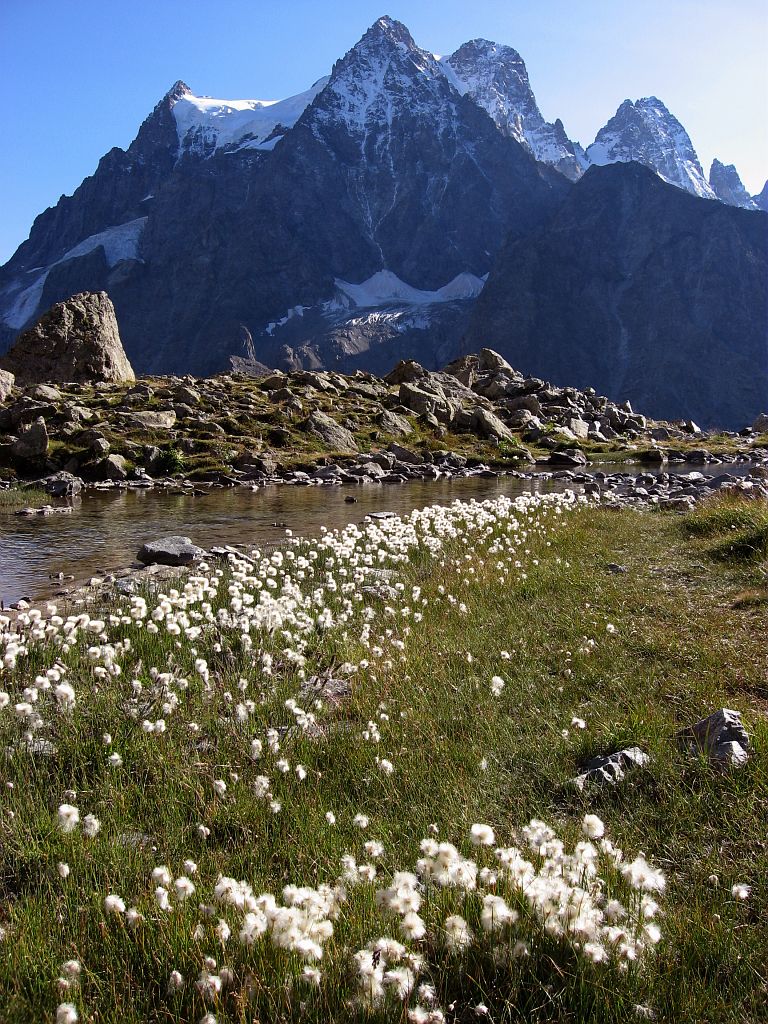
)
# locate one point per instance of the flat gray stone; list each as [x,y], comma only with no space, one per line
[170,551]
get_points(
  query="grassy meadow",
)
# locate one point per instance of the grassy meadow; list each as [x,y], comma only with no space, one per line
[330,783]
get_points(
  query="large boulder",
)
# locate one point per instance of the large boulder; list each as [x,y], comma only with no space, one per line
[76,340]
[760,426]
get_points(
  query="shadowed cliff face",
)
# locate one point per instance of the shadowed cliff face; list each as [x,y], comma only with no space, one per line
[642,291]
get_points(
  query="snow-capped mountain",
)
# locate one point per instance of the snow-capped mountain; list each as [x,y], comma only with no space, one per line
[727,185]
[645,131]
[230,213]
[496,78]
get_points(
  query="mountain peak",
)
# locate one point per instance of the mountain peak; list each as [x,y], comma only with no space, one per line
[391,30]
[646,131]
[178,90]
[496,78]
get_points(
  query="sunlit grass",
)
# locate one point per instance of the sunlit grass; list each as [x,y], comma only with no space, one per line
[590,662]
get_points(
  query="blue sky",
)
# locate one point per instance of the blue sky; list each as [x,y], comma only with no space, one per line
[79,76]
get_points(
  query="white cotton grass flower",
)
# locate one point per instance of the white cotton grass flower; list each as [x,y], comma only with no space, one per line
[68,818]
[184,887]
[114,904]
[592,826]
[161,875]
[741,891]
[361,820]
[91,825]
[175,982]
[482,835]
[458,934]
[63,869]
[497,685]
[66,1013]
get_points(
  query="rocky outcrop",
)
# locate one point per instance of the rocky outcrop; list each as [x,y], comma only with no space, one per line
[75,341]
[643,292]
[727,185]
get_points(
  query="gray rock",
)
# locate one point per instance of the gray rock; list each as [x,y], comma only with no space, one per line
[610,768]
[47,393]
[76,340]
[760,425]
[488,424]
[7,381]
[337,438]
[162,419]
[578,427]
[405,455]
[61,485]
[721,736]
[406,371]
[394,423]
[111,468]
[32,443]
[488,360]
[170,551]
[569,457]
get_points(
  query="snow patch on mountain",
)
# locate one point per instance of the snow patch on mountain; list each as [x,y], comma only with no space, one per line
[390,298]
[205,124]
[120,242]
[384,287]
[647,132]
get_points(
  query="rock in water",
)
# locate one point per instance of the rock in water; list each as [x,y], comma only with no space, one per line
[75,341]
[170,551]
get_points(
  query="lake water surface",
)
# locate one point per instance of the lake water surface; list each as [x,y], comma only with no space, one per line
[107,528]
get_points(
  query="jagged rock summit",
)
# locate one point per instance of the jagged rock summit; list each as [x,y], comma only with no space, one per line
[728,187]
[496,78]
[75,341]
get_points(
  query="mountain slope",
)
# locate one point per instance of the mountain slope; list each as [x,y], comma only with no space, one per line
[641,291]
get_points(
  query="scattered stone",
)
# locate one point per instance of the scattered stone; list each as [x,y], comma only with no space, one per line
[394,423]
[337,438]
[170,551]
[32,443]
[161,419]
[721,736]
[610,768]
